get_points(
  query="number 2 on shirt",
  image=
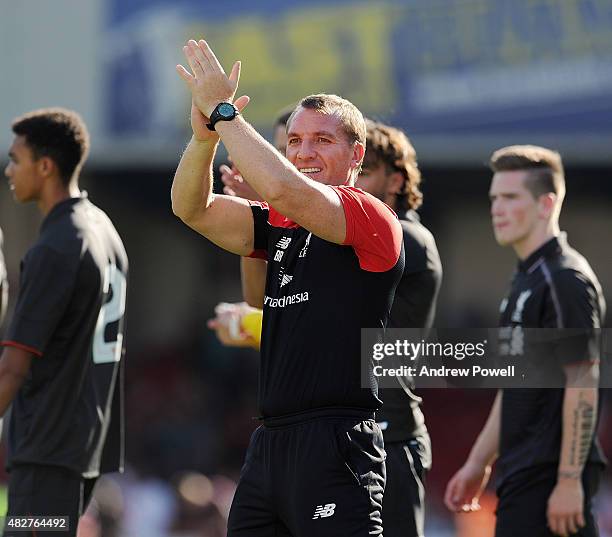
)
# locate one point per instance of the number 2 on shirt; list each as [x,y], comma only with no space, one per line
[111,312]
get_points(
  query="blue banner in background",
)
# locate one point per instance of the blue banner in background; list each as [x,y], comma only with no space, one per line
[463,67]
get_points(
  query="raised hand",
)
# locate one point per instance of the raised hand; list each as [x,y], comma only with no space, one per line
[208,83]
[235,185]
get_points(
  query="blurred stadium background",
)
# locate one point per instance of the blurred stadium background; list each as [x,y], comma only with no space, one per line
[463,77]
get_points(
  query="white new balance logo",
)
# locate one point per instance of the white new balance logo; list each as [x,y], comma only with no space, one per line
[285,279]
[283,243]
[323,511]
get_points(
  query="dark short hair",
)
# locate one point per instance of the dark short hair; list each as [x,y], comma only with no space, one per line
[391,148]
[282,118]
[57,133]
[544,167]
[349,115]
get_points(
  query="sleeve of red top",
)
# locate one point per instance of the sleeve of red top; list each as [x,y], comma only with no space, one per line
[372,229]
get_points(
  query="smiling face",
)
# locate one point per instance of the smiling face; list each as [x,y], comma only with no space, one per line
[320,149]
[23,171]
[516,214]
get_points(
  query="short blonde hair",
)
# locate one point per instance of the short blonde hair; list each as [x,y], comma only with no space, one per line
[349,115]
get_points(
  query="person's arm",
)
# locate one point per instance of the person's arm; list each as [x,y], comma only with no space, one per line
[466,486]
[565,505]
[574,320]
[253,276]
[314,206]
[226,221]
[14,368]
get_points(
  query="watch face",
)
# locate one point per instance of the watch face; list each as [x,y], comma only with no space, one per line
[226,110]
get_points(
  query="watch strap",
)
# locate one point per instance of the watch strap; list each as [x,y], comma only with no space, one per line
[216,116]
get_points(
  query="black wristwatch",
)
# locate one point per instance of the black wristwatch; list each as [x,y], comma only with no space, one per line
[222,112]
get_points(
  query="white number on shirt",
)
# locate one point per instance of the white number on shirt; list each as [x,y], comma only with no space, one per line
[111,312]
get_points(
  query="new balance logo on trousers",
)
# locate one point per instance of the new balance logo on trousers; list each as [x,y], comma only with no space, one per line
[323,511]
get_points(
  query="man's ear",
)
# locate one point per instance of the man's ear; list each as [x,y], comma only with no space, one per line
[46,166]
[547,204]
[396,183]
[358,154]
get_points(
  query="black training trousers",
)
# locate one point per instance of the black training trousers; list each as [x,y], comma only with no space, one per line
[407,463]
[323,476]
[46,491]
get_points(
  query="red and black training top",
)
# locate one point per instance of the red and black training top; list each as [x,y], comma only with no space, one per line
[318,297]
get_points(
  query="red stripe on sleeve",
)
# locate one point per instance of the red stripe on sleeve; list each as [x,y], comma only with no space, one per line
[372,229]
[8,343]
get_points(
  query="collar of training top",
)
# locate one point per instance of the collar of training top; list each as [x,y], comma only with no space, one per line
[548,249]
[60,207]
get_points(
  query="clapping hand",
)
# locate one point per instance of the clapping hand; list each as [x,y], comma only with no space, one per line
[209,86]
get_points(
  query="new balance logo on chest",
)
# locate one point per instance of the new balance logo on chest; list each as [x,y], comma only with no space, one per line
[283,243]
[324,511]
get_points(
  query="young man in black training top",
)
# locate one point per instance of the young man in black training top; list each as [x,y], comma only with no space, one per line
[390,172]
[335,256]
[548,457]
[62,360]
